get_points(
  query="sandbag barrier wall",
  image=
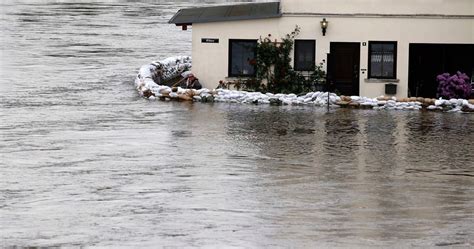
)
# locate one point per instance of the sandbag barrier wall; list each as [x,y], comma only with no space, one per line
[148,88]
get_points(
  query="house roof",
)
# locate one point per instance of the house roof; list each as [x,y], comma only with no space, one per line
[226,13]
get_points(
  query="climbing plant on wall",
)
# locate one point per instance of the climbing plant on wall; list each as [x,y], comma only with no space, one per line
[274,72]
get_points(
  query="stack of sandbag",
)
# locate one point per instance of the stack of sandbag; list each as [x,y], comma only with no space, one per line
[152,78]
[161,73]
[453,105]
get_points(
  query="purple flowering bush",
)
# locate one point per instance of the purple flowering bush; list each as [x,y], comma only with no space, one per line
[454,86]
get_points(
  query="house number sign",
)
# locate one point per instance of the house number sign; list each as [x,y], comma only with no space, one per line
[209,40]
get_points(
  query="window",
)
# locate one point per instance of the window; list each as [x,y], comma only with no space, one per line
[383,60]
[242,57]
[305,55]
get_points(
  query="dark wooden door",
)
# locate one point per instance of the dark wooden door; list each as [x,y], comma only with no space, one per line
[343,67]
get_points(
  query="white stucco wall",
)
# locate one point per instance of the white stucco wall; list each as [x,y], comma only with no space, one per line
[402,30]
[210,60]
[445,7]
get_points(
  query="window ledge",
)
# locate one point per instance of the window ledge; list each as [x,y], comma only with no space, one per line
[381,80]
[239,77]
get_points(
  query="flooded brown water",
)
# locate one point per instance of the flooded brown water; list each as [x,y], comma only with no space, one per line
[86,162]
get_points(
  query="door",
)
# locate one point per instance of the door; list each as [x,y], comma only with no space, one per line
[429,60]
[343,67]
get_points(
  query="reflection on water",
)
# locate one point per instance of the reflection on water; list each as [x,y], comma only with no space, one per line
[86,162]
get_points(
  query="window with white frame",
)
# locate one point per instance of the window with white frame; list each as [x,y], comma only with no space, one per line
[383,59]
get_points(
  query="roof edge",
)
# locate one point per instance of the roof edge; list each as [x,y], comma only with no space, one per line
[233,18]
[230,19]
[170,21]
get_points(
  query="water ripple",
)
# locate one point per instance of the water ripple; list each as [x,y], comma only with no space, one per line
[86,162]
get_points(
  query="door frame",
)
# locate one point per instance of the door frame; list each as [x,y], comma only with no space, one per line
[356,67]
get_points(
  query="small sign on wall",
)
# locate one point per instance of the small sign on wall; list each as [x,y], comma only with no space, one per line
[209,40]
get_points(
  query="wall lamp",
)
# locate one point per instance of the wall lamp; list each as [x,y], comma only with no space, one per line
[324,26]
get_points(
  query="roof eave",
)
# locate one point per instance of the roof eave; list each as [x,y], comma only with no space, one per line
[178,20]
[174,17]
[229,19]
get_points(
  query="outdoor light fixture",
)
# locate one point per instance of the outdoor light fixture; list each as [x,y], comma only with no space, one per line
[324,26]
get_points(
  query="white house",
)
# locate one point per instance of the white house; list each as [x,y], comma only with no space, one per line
[366,45]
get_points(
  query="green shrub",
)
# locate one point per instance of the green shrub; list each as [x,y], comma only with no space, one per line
[274,72]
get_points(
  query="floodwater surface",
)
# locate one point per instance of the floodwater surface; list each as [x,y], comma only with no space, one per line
[86,162]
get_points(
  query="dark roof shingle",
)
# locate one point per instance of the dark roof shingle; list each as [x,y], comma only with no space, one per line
[226,13]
